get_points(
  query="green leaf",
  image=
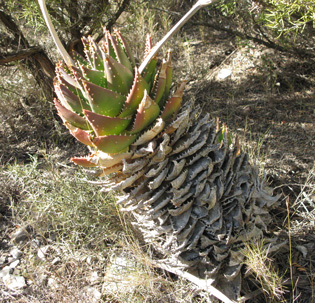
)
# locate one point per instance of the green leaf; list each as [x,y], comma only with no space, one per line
[94,76]
[173,104]
[126,47]
[147,112]
[120,54]
[103,125]
[93,53]
[150,72]
[135,95]
[159,88]
[102,100]
[68,99]
[71,117]
[113,144]
[119,78]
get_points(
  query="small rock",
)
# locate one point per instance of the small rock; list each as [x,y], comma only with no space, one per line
[224,73]
[56,261]
[303,250]
[15,253]
[92,294]
[94,277]
[42,252]
[17,272]
[21,235]
[42,279]
[6,271]
[14,282]
[52,283]
[2,260]
[14,263]
[35,243]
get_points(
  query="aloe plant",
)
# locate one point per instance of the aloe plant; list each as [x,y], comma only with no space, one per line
[191,190]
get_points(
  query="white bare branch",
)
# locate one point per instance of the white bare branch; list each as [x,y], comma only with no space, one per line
[68,60]
[178,25]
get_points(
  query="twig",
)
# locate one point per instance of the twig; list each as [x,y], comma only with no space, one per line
[176,28]
[68,60]
[250,295]
[6,58]
[296,51]
[201,283]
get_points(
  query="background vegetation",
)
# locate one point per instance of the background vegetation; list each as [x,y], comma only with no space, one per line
[251,63]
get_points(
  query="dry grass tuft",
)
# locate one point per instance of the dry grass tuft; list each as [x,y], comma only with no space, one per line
[261,266]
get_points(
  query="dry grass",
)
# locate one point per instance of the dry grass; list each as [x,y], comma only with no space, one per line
[260,265]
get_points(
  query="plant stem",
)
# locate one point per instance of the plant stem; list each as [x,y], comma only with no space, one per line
[178,25]
[68,60]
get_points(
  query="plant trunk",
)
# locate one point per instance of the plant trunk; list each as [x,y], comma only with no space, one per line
[37,62]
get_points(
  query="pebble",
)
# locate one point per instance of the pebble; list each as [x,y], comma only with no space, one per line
[42,279]
[56,261]
[224,73]
[94,277]
[42,252]
[93,294]
[20,236]
[14,282]
[2,259]
[52,283]
[14,263]
[6,271]
[15,253]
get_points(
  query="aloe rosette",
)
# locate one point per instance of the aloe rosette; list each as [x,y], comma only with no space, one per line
[107,104]
[191,191]
[188,186]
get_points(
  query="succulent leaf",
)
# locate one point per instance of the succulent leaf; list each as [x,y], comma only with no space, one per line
[98,62]
[120,54]
[159,88]
[119,78]
[83,161]
[147,112]
[104,126]
[94,76]
[93,53]
[149,72]
[71,117]
[108,47]
[126,47]
[102,100]
[150,133]
[169,78]
[78,58]
[148,45]
[135,95]
[68,99]
[107,160]
[87,51]
[77,90]
[173,104]
[81,135]
[66,78]
[113,144]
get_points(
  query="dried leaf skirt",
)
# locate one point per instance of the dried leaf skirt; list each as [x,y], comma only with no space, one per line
[195,198]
